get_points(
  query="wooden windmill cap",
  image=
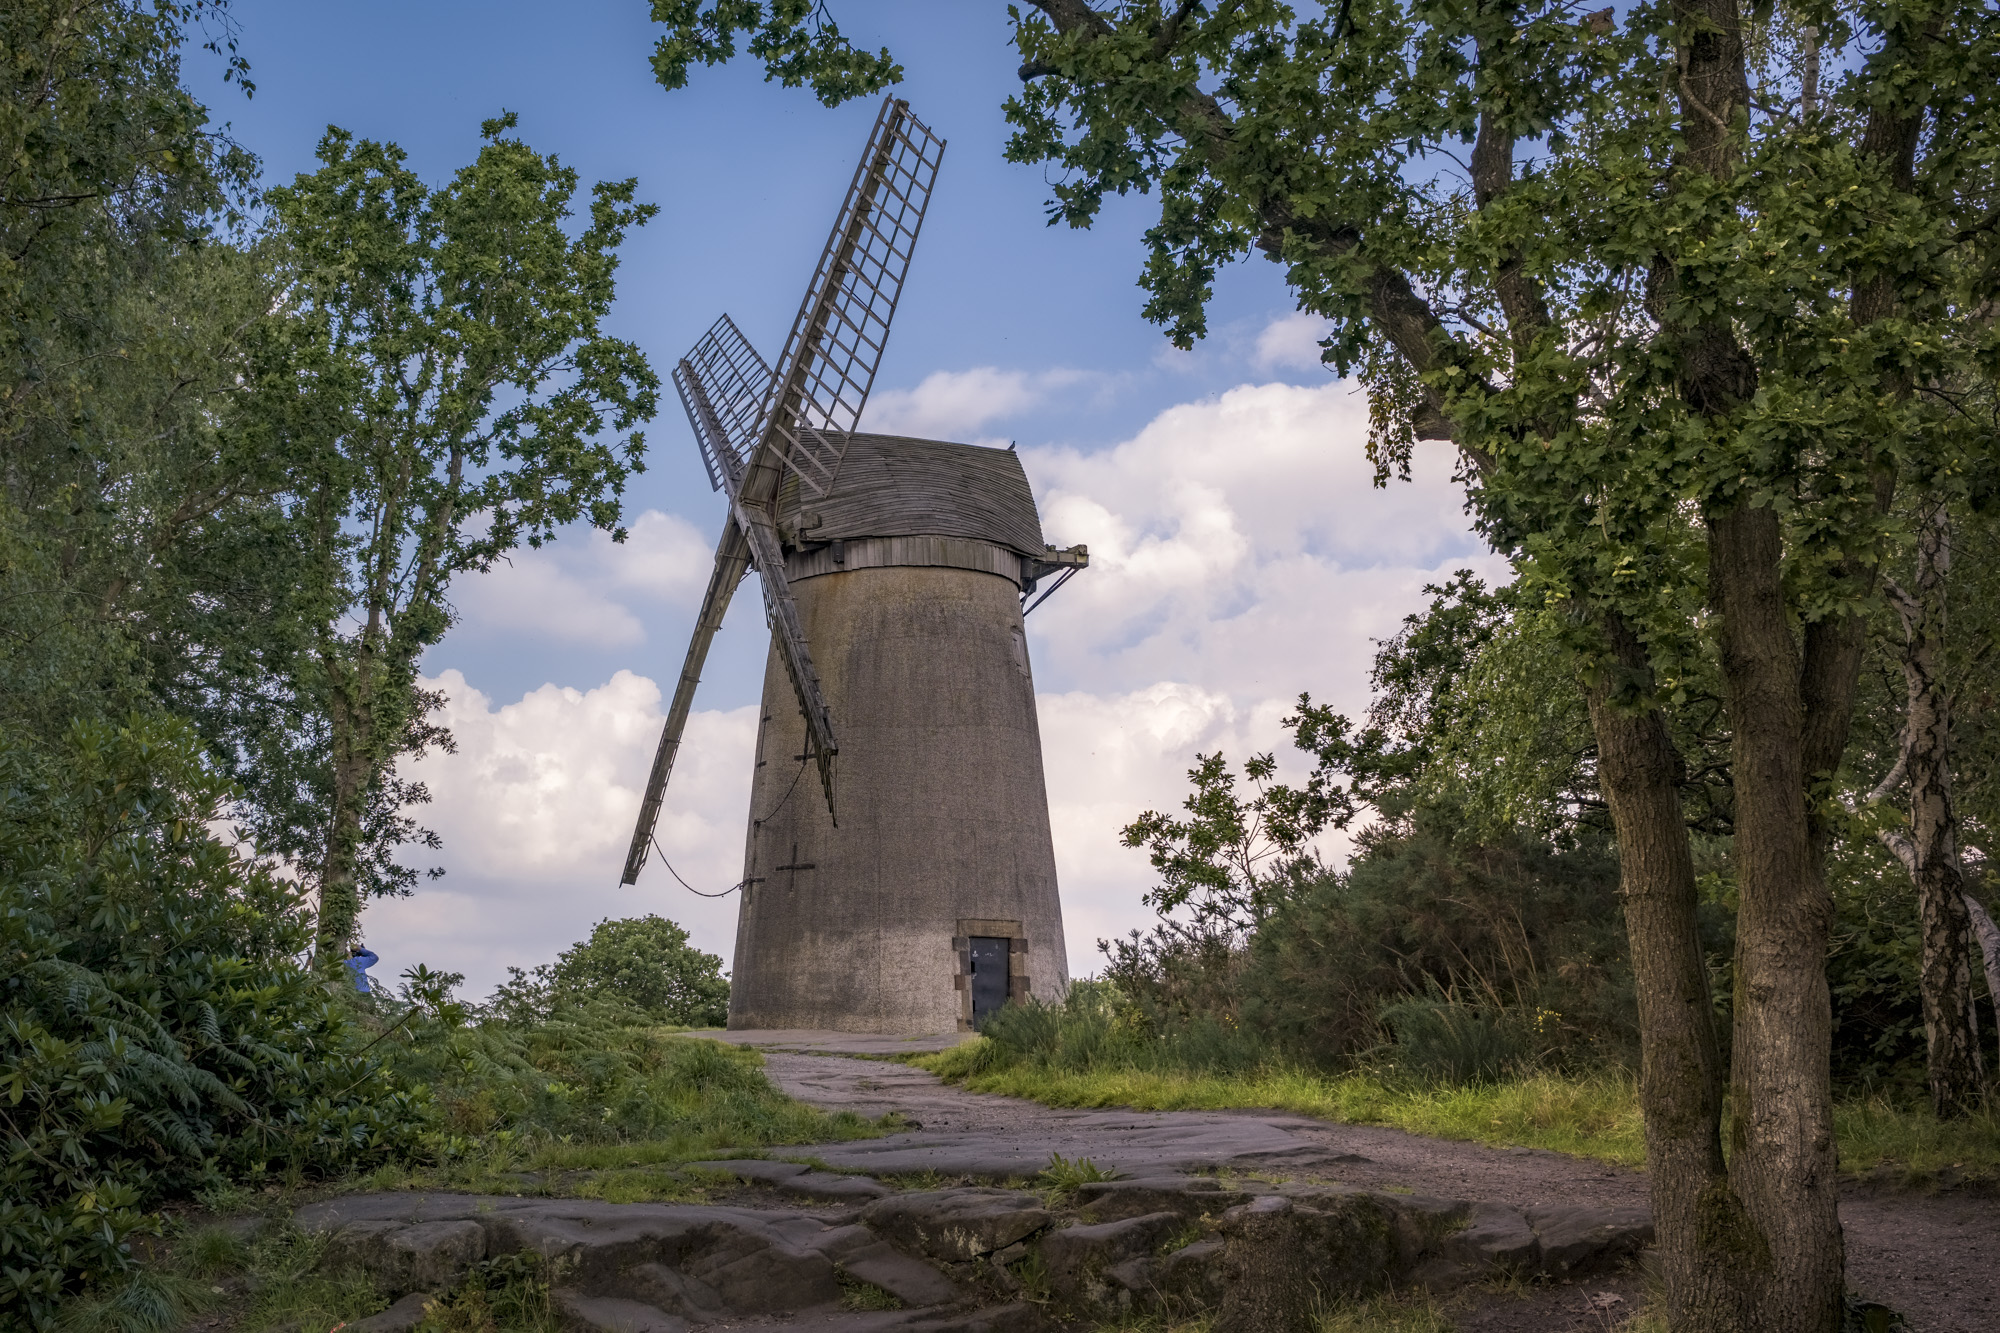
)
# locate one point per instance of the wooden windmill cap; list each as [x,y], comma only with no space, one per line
[896,486]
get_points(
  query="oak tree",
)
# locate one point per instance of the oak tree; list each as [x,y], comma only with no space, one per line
[1675,282]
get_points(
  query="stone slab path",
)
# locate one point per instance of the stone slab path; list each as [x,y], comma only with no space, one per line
[832,1043]
[1935,1258]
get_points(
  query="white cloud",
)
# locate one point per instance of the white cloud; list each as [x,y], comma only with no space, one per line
[582,591]
[663,557]
[958,404]
[1240,544]
[1110,757]
[1239,555]
[536,810]
[1291,342]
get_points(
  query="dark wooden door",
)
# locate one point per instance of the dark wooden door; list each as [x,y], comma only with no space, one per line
[989,976]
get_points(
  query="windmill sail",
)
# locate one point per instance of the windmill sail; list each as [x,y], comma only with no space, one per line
[723,383]
[829,362]
[732,558]
[753,425]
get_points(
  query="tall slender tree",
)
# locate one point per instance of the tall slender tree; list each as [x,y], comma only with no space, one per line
[1926,841]
[449,345]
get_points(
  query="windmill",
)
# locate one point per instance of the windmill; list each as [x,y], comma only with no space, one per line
[863,545]
[754,425]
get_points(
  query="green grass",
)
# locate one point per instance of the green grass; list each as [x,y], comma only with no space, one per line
[858,1295]
[142,1302]
[1064,1175]
[617,1127]
[288,1292]
[1584,1117]
[1874,1132]
[578,1109]
[1595,1117]
[1416,1312]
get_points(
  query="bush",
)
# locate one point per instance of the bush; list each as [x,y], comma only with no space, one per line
[157,1031]
[1426,942]
[593,1073]
[644,963]
[1096,1027]
[1441,1040]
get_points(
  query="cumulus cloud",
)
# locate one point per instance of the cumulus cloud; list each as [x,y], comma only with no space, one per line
[958,404]
[1240,554]
[1291,342]
[1241,544]
[1110,757]
[585,590]
[536,811]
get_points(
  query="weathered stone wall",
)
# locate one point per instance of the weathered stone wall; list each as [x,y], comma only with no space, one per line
[943,811]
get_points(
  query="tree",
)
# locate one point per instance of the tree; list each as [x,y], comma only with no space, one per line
[1921,727]
[127,309]
[643,962]
[1926,843]
[447,358]
[1678,311]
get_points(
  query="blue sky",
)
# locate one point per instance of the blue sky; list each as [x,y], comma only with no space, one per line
[1240,554]
[747,175]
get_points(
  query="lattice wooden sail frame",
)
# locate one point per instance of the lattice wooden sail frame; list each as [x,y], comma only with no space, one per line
[724,383]
[753,424]
[830,357]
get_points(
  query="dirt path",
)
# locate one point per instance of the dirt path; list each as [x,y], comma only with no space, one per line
[1936,1259]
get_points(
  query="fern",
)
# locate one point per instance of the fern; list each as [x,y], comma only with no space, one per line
[157,1032]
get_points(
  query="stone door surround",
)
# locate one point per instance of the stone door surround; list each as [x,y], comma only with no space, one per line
[1017,962]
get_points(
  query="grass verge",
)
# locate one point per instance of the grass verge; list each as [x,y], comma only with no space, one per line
[1595,1117]
[1584,1117]
[598,1111]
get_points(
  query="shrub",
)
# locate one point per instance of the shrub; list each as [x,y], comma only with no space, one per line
[644,963]
[157,1032]
[1096,1026]
[1441,1040]
[595,1072]
[1523,936]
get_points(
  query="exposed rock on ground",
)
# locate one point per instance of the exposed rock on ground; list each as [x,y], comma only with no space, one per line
[1259,1255]
[1929,1256]
[1250,1218]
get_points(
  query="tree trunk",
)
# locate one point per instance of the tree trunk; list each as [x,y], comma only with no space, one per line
[1680,1081]
[351,717]
[1779,1218]
[1989,950]
[1951,1046]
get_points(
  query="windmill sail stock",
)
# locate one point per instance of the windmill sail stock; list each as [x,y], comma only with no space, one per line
[755,425]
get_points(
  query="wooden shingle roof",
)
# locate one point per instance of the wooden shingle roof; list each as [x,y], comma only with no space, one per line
[894,486]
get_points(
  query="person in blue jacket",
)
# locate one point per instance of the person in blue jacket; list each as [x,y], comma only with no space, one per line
[359,960]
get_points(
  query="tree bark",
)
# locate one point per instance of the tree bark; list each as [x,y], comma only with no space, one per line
[1775,1226]
[1951,1042]
[1780,1216]
[351,719]
[1680,1081]
[1988,935]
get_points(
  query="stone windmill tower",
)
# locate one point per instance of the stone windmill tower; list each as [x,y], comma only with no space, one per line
[915,889]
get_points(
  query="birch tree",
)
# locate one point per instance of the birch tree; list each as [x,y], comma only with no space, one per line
[1926,840]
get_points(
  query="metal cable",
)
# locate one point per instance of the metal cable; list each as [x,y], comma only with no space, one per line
[739,884]
[689,887]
